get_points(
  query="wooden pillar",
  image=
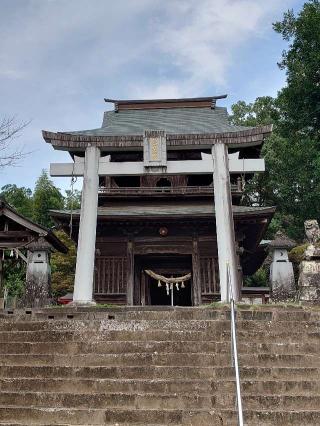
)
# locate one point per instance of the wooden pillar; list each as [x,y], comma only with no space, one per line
[224,222]
[130,273]
[83,286]
[196,284]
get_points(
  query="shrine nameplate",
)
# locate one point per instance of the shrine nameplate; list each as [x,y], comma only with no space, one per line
[154,151]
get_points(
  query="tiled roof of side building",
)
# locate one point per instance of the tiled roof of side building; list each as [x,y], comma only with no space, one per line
[172,121]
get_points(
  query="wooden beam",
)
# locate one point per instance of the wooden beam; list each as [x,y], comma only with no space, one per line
[20,254]
[9,246]
[14,234]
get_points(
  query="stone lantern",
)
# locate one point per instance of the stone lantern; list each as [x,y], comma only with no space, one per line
[281,270]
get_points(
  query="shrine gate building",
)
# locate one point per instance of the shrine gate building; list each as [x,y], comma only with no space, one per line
[162,200]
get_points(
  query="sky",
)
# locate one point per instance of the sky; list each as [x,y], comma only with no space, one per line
[60,58]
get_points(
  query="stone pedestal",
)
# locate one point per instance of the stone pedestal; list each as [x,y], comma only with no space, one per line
[309,281]
[282,281]
[309,276]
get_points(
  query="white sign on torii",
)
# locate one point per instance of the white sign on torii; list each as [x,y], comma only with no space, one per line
[92,166]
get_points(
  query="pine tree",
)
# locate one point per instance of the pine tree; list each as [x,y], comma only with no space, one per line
[46,197]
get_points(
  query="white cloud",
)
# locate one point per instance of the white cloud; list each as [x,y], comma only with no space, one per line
[59,58]
[200,37]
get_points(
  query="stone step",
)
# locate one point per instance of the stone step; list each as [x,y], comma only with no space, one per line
[278,402]
[51,416]
[268,373]
[159,372]
[141,372]
[273,417]
[66,385]
[48,417]
[160,359]
[167,324]
[131,346]
[118,325]
[132,401]
[264,313]
[269,387]
[122,359]
[133,366]
[152,401]
[201,387]
[68,424]
[267,336]
[67,416]
[115,347]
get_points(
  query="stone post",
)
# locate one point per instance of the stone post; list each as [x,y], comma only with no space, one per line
[224,222]
[83,285]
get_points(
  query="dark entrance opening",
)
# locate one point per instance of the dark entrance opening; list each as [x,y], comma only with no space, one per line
[162,295]
[147,290]
[163,182]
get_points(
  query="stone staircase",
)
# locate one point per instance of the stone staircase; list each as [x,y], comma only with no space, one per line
[161,366]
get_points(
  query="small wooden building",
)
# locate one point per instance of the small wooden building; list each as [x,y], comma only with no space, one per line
[33,243]
[160,222]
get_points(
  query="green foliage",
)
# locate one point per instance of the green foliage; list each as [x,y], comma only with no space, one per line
[258,113]
[258,279]
[292,154]
[46,196]
[14,272]
[19,198]
[72,200]
[300,99]
[63,267]
[292,177]
[296,257]
[296,254]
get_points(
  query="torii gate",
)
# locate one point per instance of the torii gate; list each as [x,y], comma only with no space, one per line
[155,161]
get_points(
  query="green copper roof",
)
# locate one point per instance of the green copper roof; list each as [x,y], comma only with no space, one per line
[172,121]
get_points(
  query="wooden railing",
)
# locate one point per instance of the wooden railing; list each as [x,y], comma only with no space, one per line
[110,275]
[166,190]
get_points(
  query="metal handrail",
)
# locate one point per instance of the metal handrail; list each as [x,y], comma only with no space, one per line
[234,349]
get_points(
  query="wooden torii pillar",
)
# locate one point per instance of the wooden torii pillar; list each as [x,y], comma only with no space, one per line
[93,165]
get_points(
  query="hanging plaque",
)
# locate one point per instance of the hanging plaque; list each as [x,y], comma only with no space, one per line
[154,151]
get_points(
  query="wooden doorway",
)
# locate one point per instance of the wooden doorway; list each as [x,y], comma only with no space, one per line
[146,289]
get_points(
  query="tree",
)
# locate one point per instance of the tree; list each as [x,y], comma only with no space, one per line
[19,198]
[297,168]
[262,111]
[300,99]
[292,153]
[63,267]
[72,199]
[46,196]
[292,177]
[10,129]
